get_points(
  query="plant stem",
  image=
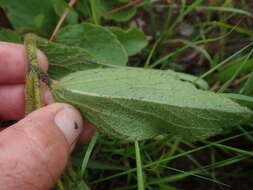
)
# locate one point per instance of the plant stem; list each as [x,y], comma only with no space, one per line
[34,74]
[32,89]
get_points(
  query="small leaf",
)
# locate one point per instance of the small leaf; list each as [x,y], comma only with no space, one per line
[96,40]
[132,39]
[136,104]
[60,6]
[104,6]
[30,15]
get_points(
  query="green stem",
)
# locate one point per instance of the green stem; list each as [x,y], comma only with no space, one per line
[34,74]
[32,89]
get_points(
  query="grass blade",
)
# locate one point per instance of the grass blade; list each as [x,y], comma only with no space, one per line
[140,178]
[227,9]
[88,153]
[226,85]
[223,62]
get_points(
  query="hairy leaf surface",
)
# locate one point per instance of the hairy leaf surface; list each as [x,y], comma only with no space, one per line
[137,104]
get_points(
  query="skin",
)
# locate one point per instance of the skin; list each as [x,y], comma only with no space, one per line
[26,159]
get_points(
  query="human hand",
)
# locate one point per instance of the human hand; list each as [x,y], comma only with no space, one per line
[35,150]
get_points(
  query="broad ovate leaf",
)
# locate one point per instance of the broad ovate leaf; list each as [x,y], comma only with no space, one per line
[96,40]
[136,104]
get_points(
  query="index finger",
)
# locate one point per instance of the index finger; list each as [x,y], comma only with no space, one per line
[13,63]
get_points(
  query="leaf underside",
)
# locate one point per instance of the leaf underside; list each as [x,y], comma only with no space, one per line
[136,104]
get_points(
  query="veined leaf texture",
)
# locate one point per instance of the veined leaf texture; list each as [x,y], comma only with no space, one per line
[137,104]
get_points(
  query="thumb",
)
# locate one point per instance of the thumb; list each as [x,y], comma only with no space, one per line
[34,151]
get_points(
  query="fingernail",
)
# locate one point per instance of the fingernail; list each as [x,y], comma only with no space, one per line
[70,123]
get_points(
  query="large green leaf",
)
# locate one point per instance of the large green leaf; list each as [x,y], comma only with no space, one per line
[96,40]
[132,39]
[32,15]
[137,104]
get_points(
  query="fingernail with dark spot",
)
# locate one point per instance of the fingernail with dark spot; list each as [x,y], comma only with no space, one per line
[70,123]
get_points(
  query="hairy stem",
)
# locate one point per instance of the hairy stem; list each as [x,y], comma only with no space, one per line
[32,90]
[34,74]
